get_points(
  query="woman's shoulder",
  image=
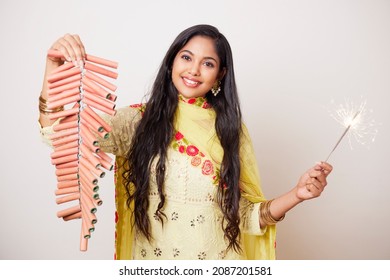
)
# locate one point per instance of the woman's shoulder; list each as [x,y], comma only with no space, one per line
[133,108]
[132,112]
[140,107]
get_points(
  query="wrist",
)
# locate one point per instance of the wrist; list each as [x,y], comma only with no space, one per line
[52,64]
[267,218]
[296,198]
[43,108]
[50,67]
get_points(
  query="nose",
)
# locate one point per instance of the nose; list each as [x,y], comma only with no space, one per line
[194,69]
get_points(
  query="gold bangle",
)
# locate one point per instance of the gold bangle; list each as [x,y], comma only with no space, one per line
[43,107]
[42,100]
[265,213]
[46,112]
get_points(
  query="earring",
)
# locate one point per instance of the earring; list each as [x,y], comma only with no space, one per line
[216,88]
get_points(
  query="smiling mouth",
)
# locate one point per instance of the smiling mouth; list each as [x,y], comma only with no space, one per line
[190,83]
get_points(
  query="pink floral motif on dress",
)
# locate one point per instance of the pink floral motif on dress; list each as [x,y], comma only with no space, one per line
[196,161]
[207,168]
[197,158]
[178,136]
[192,150]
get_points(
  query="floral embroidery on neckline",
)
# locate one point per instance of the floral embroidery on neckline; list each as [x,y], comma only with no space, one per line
[183,146]
[196,101]
[197,158]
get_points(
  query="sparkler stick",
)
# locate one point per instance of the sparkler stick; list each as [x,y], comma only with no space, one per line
[342,136]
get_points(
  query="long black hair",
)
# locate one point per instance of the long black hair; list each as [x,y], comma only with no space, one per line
[155,131]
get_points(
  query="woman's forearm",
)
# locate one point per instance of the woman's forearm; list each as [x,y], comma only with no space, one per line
[272,211]
[44,118]
[310,185]
[281,205]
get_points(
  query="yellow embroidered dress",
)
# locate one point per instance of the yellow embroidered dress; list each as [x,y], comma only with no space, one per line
[193,225]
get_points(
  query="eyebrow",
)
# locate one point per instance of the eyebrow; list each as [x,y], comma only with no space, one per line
[206,57]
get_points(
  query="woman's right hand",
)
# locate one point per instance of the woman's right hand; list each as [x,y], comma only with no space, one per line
[72,49]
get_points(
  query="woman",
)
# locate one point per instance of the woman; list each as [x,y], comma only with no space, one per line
[187,184]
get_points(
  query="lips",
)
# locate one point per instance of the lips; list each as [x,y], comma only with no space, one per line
[192,83]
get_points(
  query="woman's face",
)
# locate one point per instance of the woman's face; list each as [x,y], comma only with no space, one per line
[196,67]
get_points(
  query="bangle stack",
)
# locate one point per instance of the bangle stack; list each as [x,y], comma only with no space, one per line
[265,213]
[43,107]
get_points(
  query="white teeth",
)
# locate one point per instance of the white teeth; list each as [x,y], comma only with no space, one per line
[191,82]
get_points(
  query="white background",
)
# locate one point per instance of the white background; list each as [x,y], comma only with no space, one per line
[291,59]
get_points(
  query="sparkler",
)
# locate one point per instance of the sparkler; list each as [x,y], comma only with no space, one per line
[357,122]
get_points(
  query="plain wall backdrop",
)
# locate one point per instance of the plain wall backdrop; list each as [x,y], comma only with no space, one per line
[292,58]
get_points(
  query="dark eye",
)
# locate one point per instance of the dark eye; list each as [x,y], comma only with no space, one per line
[209,64]
[186,57]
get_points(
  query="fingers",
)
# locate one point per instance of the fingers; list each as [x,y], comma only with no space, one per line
[325,167]
[315,187]
[81,45]
[320,171]
[71,47]
[318,176]
[313,182]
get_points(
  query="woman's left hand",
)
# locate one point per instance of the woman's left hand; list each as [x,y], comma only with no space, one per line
[312,182]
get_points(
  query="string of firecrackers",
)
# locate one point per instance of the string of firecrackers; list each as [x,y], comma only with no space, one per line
[77,157]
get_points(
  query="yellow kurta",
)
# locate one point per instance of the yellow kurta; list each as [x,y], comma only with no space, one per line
[193,226]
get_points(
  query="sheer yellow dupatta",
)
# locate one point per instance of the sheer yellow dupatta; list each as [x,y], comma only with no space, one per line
[198,126]
[124,230]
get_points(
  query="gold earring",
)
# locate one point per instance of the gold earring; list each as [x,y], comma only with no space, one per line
[216,88]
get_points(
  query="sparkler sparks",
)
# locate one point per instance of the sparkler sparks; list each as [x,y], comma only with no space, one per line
[357,121]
